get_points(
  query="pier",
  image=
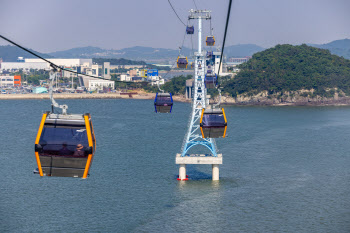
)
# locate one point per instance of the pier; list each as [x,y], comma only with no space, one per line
[198,159]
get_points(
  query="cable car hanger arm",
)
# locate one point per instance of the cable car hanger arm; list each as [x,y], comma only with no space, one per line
[159,86]
[218,104]
[64,107]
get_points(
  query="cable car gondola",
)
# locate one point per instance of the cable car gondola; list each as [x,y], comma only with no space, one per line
[182,62]
[65,143]
[213,123]
[210,41]
[210,80]
[190,30]
[163,103]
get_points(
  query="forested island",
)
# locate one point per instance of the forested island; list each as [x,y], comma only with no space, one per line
[287,71]
[285,74]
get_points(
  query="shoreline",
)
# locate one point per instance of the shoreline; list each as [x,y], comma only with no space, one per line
[345,101]
[139,96]
[77,96]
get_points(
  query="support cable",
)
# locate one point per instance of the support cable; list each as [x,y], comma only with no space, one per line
[195,4]
[223,44]
[176,13]
[222,51]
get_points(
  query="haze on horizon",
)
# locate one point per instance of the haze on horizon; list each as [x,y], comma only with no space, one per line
[48,26]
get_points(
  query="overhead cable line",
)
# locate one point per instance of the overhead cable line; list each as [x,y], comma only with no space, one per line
[223,44]
[195,5]
[53,65]
[176,13]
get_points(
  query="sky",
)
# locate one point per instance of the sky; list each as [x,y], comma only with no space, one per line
[55,25]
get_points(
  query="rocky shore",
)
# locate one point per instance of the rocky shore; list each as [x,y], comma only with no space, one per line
[295,98]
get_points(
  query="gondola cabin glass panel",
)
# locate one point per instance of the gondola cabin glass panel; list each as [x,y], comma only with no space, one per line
[210,41]
[210,80]
[182,62]
[190,30]
[213,123]
[64,148]
[163,103]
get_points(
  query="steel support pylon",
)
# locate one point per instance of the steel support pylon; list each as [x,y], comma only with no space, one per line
[199,101]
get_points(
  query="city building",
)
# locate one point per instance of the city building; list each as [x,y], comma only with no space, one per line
[132,73]
[106,67]
[125,78]
[10,81]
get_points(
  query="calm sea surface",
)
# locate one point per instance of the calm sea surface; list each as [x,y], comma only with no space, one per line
[286,169]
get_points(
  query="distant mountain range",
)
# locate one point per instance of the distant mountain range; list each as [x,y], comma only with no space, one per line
[134,53]
[10,53]
[148,53]
[337,47]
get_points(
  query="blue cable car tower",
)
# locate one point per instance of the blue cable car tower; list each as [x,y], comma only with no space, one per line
[193,137]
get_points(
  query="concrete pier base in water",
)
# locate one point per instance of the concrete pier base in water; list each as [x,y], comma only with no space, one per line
[198,159]
[182,172]
[215,171]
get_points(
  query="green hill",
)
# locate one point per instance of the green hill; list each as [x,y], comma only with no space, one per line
[287,68]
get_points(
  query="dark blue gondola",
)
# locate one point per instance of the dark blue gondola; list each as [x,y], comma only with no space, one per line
[163,103]
[213,123]
[211,80]
[210,41]
[182,62]
[190,30]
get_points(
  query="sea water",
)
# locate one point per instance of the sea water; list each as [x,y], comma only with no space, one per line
[285,169]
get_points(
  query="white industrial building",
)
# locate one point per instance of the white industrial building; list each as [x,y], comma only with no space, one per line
[93,84]
[66,62]
[38,64]
[26,66]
